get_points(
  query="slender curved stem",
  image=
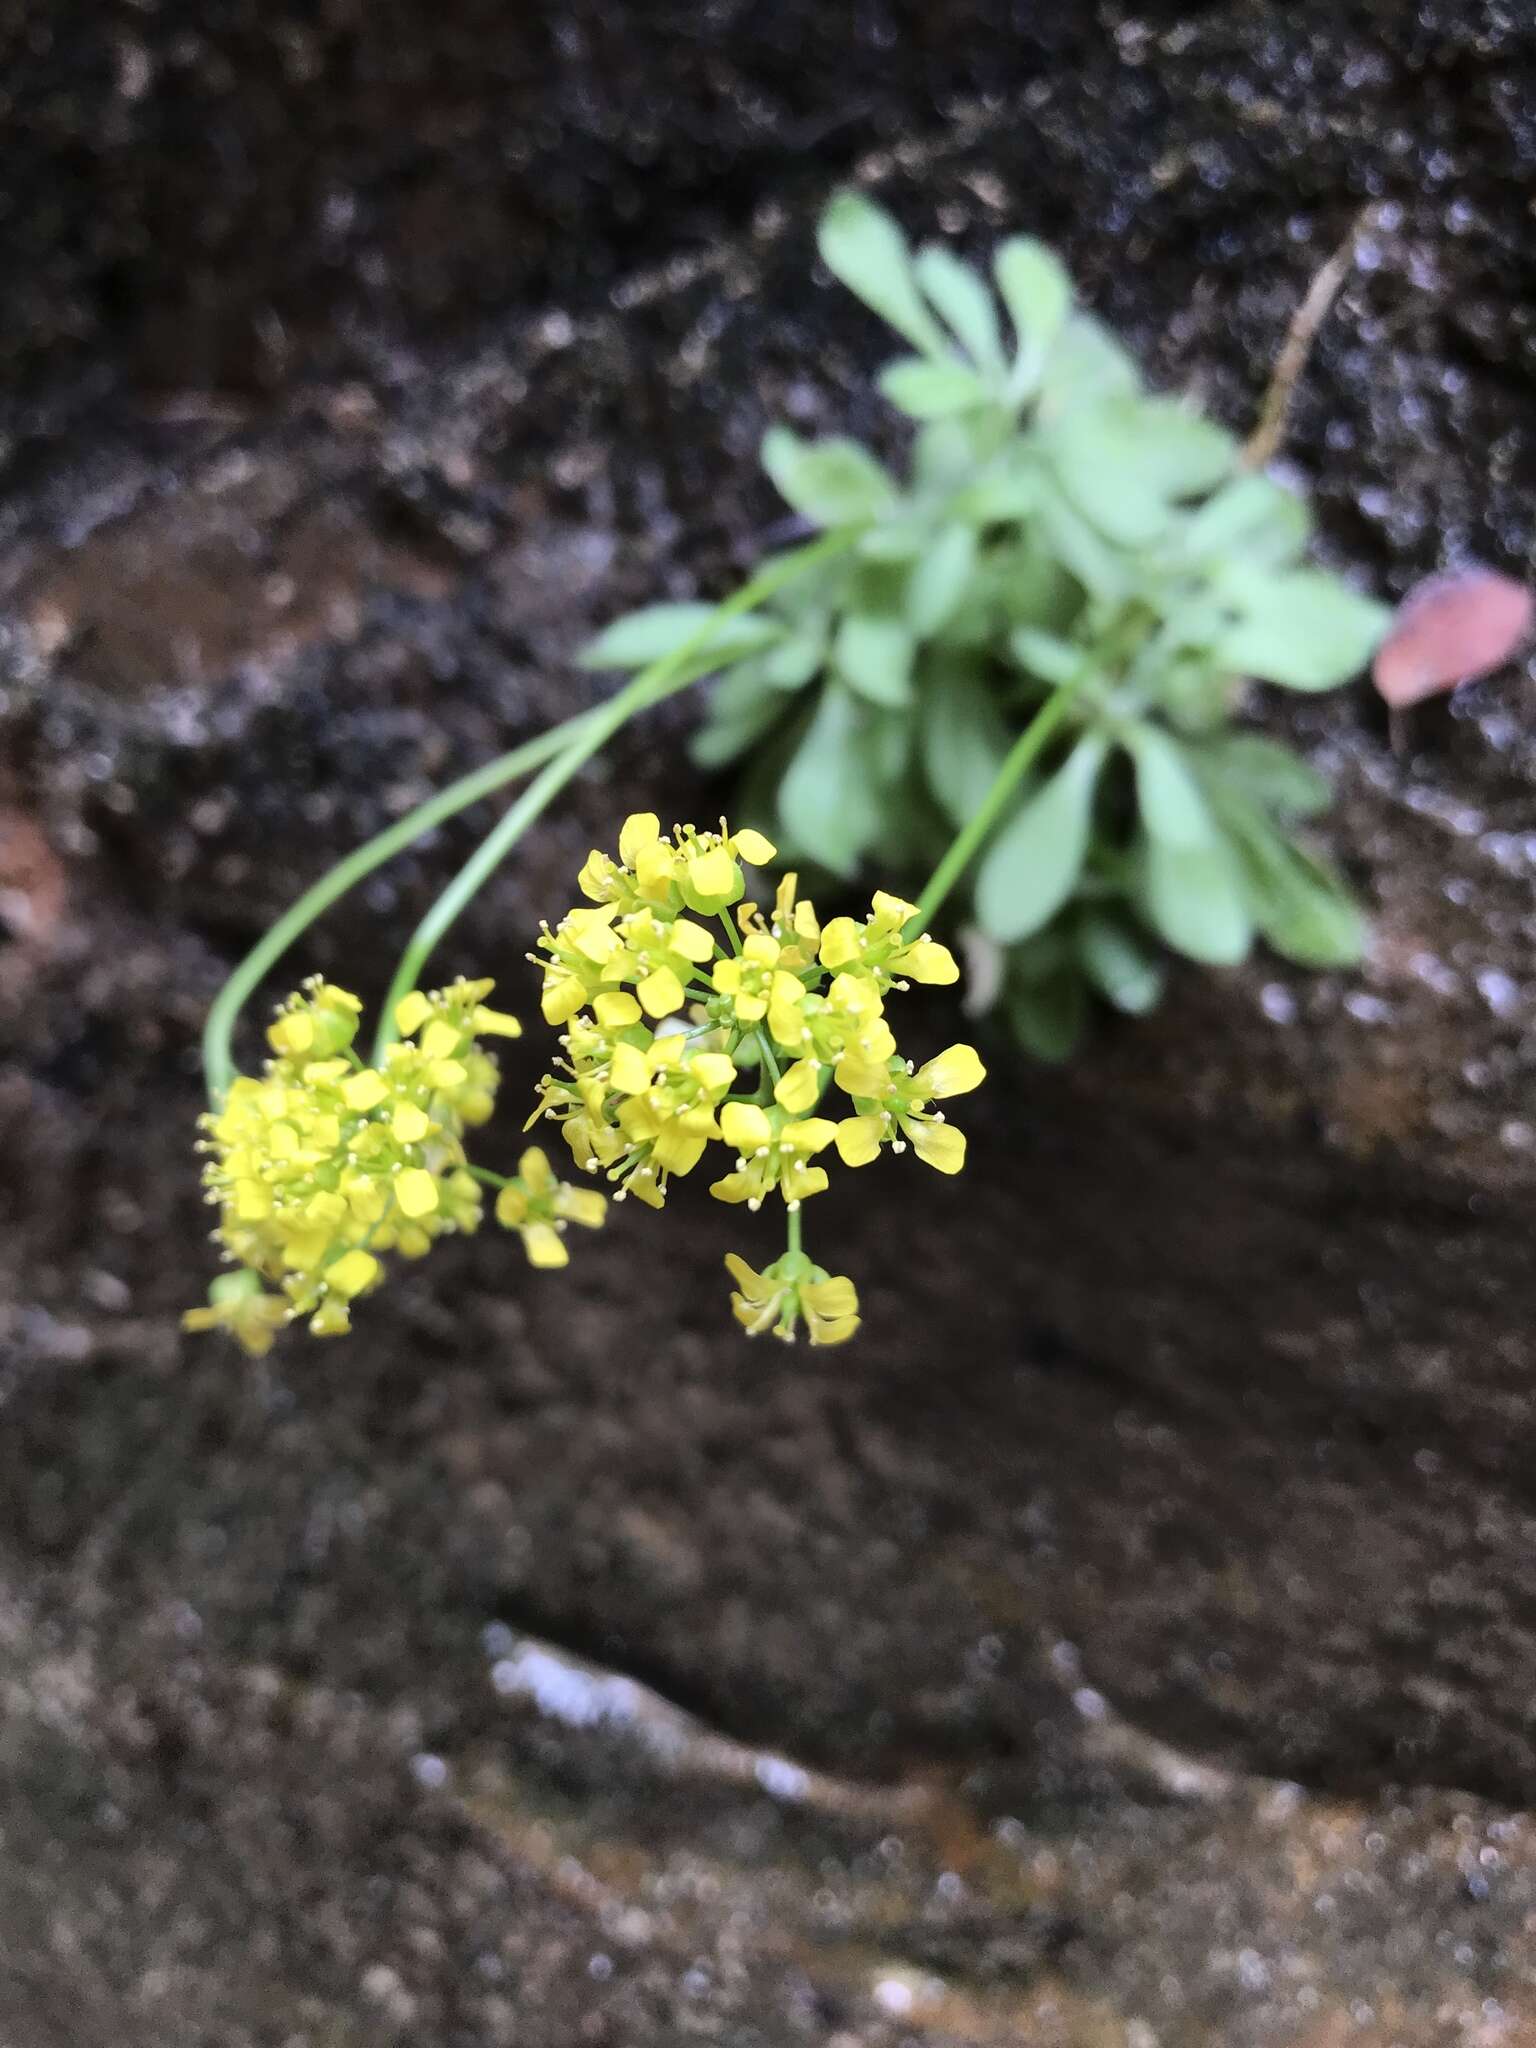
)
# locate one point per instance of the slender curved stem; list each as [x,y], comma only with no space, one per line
[218,1058]
[1020,757]
[660,680]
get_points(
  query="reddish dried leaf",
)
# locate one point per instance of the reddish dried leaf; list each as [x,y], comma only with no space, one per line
[1450,629]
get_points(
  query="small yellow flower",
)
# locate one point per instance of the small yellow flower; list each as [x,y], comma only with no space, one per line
[238,1303]
[538,1206]
[778,1297]
[772,1151]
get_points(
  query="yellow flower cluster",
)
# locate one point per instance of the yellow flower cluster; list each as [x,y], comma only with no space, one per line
[678,1035]
[322,1165]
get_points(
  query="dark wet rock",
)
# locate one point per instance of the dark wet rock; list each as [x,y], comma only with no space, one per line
[1207,1391]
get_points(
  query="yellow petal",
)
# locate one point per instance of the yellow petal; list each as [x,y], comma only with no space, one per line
[640,830]
[351,1273]
[834,1297]
[955,1071]
[857,1074]
[714,876]
[563,996]
[409,1125]
[822,1331]
[691,940]
[495,1023]
[535,1171]
[799,1088]
[858,1139]
[582,1205]
[364,1091]
[654,868]
[940,1146]
[293,1033]
[253,1201]
[840,942]
[512,1208]
[745,1127]
[411,1012]
[808,1134]
[929,962]
[753,848]
[747,1278]
[643,1186]
[679,1145]
[660,993]
[890,913]
[440,1040]
[544,1245]
[616,1010]
[714,1072]
[631,1073]
[416,1192]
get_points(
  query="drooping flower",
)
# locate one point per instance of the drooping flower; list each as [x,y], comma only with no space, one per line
[789,1291]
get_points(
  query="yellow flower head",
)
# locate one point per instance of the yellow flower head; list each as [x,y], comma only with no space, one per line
[321,1165]
[675,990]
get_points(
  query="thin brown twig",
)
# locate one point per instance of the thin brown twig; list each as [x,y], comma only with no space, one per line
[1264,442]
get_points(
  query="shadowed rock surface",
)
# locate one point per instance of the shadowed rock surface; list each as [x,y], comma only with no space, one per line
[1207,1391]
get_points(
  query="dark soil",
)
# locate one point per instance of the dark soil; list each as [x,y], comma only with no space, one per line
[1207,1391]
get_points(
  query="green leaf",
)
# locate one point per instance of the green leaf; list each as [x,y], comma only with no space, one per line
[831,483]
[864,248]
[1086,363]
[829,802]
[938,582]
[1269,774]
[964,304]
[1301,904]
[1120,964]
[1048,1016]
[1193,896]
[1033,864]
[931,391]
[796,660]
[641,637]
[1303,629]
[1185,454]
[873,653]
[1009,490]
[1167,793]
[1098,567]
[944,456]
[742,709]
[1125,460]
[1251,517]
[963,735]
[1044,655]
[895,540]
[1036,290]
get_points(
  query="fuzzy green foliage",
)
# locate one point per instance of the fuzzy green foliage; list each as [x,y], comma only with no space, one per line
[1060,528]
